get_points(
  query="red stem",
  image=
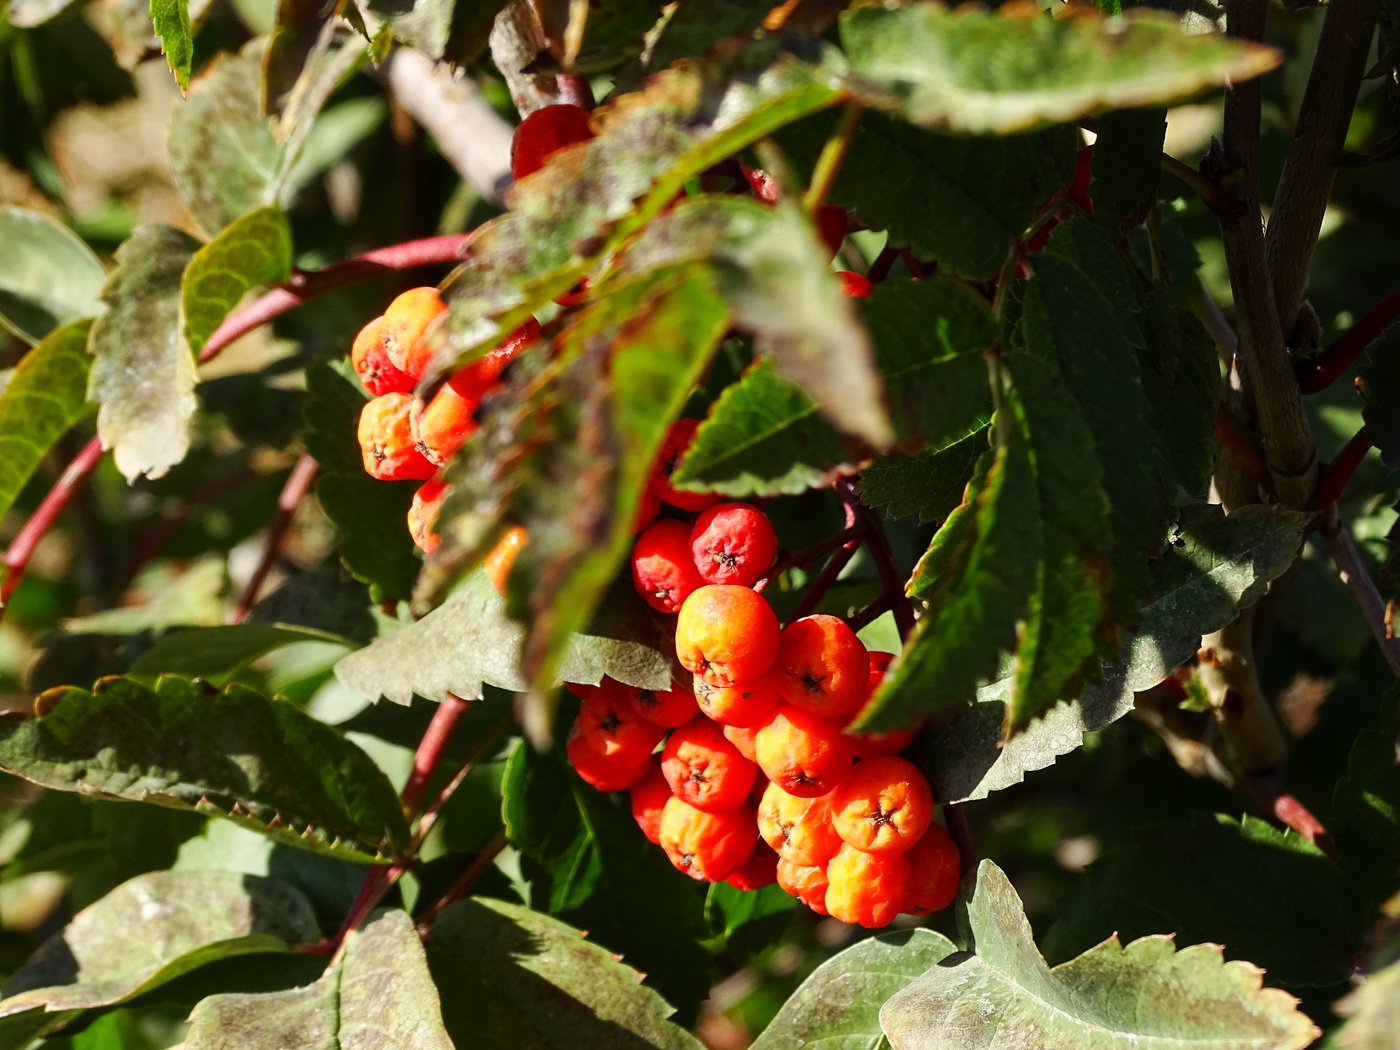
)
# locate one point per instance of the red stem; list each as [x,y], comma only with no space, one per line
[295,489]
[1338,473]
[807,555]
[891,580]
[1293,814]
[425,760]
[479,866]
[1244,447]
[1319,372]
[22,547]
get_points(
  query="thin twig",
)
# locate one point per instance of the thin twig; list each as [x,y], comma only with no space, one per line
[1243,446]
[833,153]
[817,589]
[1353,573]
[808,555]
[891,580]
[293,492]
[429,753]
[479,866]
[1202,186]
[484,747]
[871,612]
[1317,373]
[1339,472]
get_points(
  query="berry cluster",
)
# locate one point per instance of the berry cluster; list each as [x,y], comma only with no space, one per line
[748,773]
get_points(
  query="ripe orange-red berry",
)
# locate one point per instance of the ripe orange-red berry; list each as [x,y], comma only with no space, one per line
[609,725]
[799,829]
[866,888]
[806,882]
[405,323]
[887,742]
[749,704]
[667,708]
[370,359]
[934,872]
[733,543]
[673,448]
[707,845]
[440,426]
[387,448]
[502,557]
[742,737]
[662,570]
[883,805]
[423,512]
[704,768]
[727,634]
[822,666]
[758,871]
[545,132]
[854,285]
[649,797]
[615,772]
[475,380]
[803,753]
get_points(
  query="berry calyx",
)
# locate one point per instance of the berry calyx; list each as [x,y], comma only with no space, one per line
[822,667]
[799,829]
[707,845]
[608,724]
[667,708]
[705,769]
[370,360]
[747,705]
[804,754]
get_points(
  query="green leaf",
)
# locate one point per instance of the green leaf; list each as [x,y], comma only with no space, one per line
[233,753]
[599,35]
[171,19]
[143,376]
[48,277]
[586,863]
[1365,821]
[207,652]
[43,399]
[178,597]
[838,1007]
[370,516]
[1269,896]
[1182,382]
[744,921]
[973,193]
[1213,567]
[181,920]
[524,980]
[1144,994]
[468,641]
[255,250]
[224,159]
[1373,1009]
[1127,165]
[377,994]
[929,485]
[975,70]
[1379,380]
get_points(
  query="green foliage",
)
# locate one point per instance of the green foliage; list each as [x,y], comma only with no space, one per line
[48,277]
[1366,816]
[1379,380]
[254,250]
[171,19]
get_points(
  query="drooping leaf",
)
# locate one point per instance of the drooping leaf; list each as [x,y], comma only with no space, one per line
[43,399]
[838,1007]
[234,753]
[929,485]
[524,980]
[255,250]
[143,376]
[370,516]
[181,920]
[378,994]
[171,19]
[1213,567]
[979,71]
[48,277]
[469,641]
[580,852]
[1379,380]
[1365,820]
[1127,165]
[973,193]
[1268,896]
[207,652]
[1143,994]
[223,157]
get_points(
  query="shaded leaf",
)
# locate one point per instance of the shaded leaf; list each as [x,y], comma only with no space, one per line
[182,920]
[1181,378]
[171,19]
[744,921]
[1365,821]
[1143,994]
[838,1007]
[929,485]
[45,396]
[1127,165]
[378,994]
[143,376]
[178,597]
[1373,1009]
[1379,380]
[223,157]
[975,70]
[233,753]
[469,641]
[524,980]
[1268,896]
[206,652]
[48,276]
[255,250]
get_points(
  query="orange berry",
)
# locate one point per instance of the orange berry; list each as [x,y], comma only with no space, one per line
[667,708]
[677,440]
[477,379]
[883,805]
[805,754]
[934,872]
[758,871]
[707,845]
[806,882]
[405,322]
[440,426]
[704,768]
[866,888]
[726,634]
[649,797]
[423,512]
[743,738]
[888,742]
[648,507]
[386,441]
[750,704]
[733,543]
[822,666]
[608,724]
[615,772]
[370,359]
[799,829]
[662,570]
[500,560]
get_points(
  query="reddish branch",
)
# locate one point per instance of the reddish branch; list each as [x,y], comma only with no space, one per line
[296,487]
[22,547]
[1319,372]
[1337,473]
[891,581]
[479,866]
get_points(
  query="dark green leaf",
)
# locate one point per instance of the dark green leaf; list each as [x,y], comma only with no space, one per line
[43,399]
[326,598]
[1181,379]
[929,485]
[1379,379]
[223,157]
[599,35]
[692,30]
[233,753]
[171,19]
[378,994]
[838,1007]
[469,641]
[524,980]
[370,516]
[1142,994]
[182,920]
[255,250]
[1268,896]
[1127,165]
[207,652]
[975,70]
[1365,820]
[746,920]
[48,277]
[143,376]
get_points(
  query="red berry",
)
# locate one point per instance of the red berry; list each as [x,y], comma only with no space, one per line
[663,571]
[854,285]
[543,133]
[678,439]
[476,379]
[733,543]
